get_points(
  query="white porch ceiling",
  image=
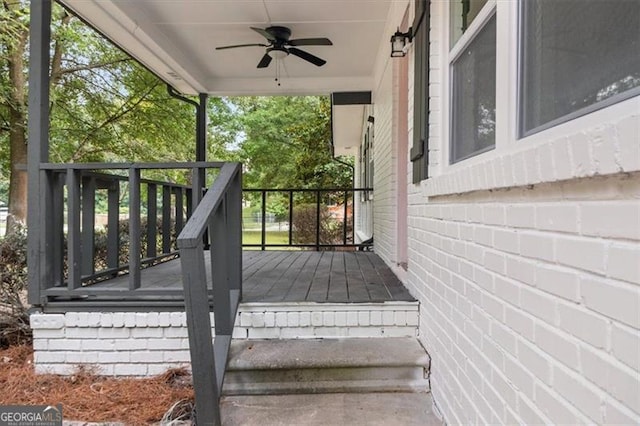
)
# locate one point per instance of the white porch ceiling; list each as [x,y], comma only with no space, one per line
[177,38]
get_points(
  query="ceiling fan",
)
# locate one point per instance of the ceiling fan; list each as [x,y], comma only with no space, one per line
[280,46]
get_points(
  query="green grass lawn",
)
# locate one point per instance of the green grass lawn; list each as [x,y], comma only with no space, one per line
[272,237]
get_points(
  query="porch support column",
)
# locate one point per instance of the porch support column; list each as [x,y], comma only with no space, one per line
[201,133]
[39,197]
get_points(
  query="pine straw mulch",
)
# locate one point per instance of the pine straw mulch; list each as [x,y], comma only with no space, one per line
[88,397]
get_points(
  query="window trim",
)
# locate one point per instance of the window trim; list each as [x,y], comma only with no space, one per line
[522,133]
[488,12]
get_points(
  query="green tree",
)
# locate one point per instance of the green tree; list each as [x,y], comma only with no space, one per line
[287,143]
[13,41]
[104,106]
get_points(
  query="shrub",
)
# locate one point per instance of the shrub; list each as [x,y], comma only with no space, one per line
[304,225]
[14,319]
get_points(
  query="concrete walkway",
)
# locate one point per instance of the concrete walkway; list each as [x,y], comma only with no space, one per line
[384,409]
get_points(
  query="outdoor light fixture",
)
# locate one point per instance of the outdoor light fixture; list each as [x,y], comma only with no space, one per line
[399,43]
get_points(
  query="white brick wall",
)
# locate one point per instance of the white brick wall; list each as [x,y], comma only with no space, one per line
[140,344]
[537,317]
[526,263]
[384,204]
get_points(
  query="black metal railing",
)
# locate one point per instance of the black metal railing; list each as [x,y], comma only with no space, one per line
[218,215]
[320,219]
[76,191]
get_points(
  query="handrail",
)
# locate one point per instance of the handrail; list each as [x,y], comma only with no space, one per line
[218,216]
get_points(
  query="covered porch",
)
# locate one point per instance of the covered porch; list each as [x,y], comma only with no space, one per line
[271,276]
[199,284]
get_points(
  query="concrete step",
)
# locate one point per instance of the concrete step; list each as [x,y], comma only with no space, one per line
[369,409]
[261,367]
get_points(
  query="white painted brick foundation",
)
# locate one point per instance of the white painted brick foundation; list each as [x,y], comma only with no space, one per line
[141,344]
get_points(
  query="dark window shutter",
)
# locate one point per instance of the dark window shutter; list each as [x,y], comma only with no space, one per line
[419,150]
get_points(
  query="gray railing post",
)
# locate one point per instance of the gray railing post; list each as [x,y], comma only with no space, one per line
[196,302]
[219,213]
[39,236]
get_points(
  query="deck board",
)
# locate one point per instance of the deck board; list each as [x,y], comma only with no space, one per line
[295,276]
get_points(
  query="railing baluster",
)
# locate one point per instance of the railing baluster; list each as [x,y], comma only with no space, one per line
[179,210]
[74,252]
[113,225]
[88,225]
[189,197]
[290,217]
[46,229]
[57,182]
[219,269]
[196,190]
[263,212]
[166,219]
[345,218]
[198,179]
[234,225]
[317,220]
[134,228]
[152,220]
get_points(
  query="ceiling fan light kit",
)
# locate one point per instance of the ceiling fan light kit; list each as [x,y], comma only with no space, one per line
[280,46]
[277,53]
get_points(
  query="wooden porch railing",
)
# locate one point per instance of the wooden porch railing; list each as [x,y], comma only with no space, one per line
[80,184]
[320,219]
[219,213]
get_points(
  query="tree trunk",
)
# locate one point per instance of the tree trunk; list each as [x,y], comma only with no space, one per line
[17,135]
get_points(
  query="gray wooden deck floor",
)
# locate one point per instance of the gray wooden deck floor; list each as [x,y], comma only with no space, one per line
[297,276]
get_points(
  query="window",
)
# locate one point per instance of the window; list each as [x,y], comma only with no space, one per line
[473,86]
[462,14]
[577,56]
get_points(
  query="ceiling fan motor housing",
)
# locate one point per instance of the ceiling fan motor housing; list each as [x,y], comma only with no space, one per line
[280,33]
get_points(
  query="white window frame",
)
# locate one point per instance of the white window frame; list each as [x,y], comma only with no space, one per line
[522,133]
[501,167]
[488,11]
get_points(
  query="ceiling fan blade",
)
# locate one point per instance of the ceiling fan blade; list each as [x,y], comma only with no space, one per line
[265,61]
[266,34]
[307,56]
[310,42]
[240,45]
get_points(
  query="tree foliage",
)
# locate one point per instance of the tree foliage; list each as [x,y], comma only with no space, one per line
[105,107]
[287,143]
